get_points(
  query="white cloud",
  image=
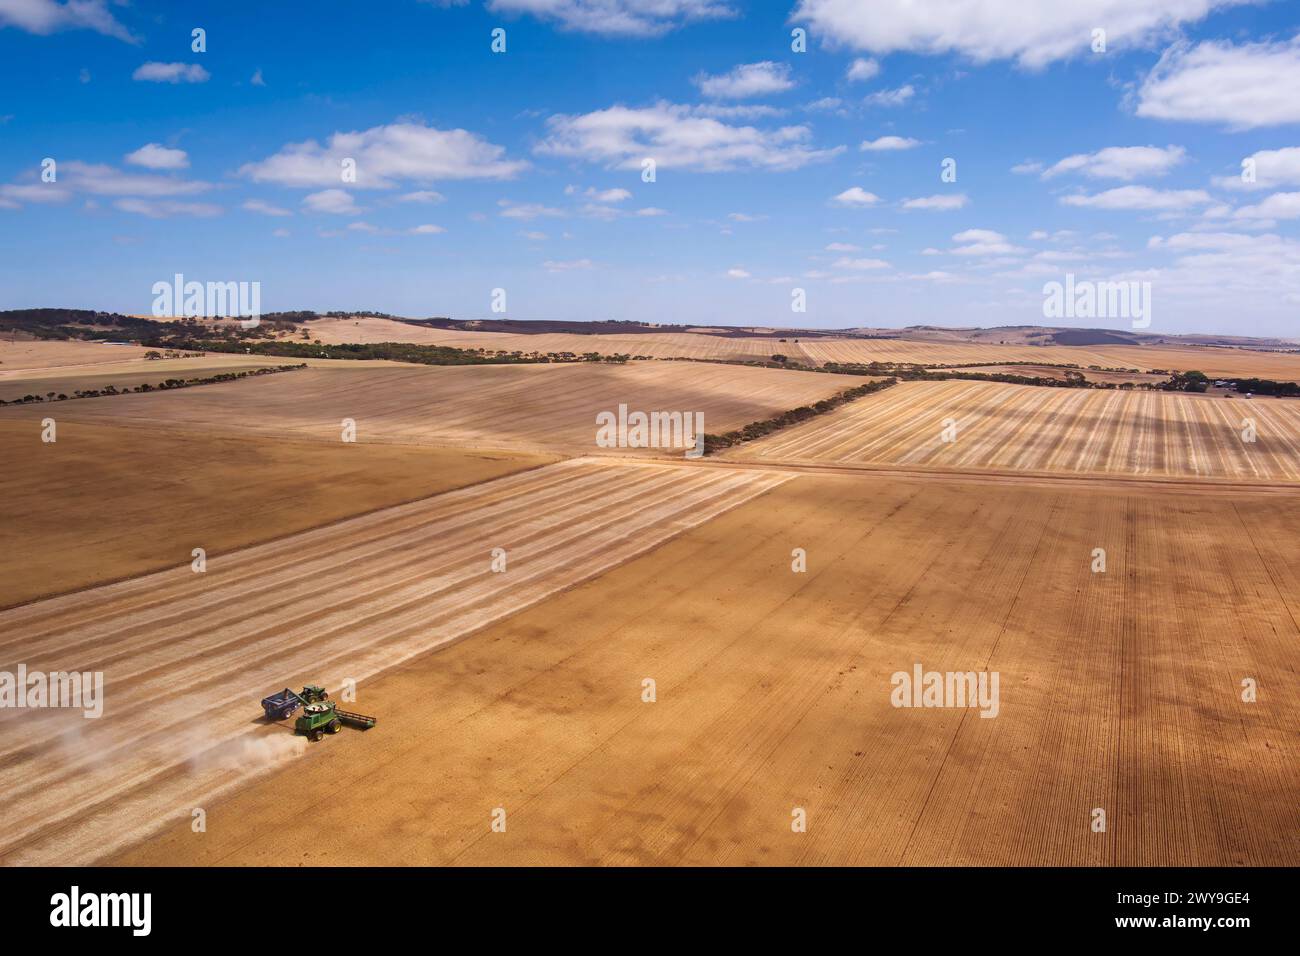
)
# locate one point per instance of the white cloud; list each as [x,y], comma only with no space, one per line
[157,156]
[676,138]
[44,17]
[1140,197]
[1273,168]
[1276,206]
[257,78]
[738,111]
[825,104]
[427,229]
[422,196]
[1120,162]
[265,208]
[526,210]
[362,227]
[16,193]
[982,242]
[386,155]
[862,69]
[898,97]
[164,208]
[860,264]
[570,265]
[171,73]
[856,196]
[943,202]
[888,143]
[746,80]
[744,217]
[737,274]
[652,211]
[336,202]
[618,17]
[103,180]
[1216,82]
[1032,34]
[534,236]
[843,247]
[1027,167]
[608,195]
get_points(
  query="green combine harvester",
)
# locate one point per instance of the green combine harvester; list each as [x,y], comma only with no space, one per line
[324,717]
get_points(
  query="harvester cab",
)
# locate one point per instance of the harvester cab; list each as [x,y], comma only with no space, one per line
[323,717]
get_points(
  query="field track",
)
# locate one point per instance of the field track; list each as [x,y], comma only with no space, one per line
[1058,430]
[187,656]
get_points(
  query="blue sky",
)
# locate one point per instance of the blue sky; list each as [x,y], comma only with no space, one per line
[775,170]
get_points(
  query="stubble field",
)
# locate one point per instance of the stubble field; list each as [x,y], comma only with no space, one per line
[1061,430]
[529,407]
[1119,691]
[186,656]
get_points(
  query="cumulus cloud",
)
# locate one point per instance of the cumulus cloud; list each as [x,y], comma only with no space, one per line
[855,196]
[156,156]
[104,180]
[17,193]
[678,138]
[746,80]
[385,156]
[1120,162]
[984,30]
[427,229]
[337,202]
[859,265]
[1276,206]
[862,69]
[618,17]
[887,98]
[171,73]
[1141,198]
[265,208]
[1243,87]
[527,210]
[1272,168]
[943,202]
[569,265]
[982,242]
[44,17]
[165,208]
[888,143]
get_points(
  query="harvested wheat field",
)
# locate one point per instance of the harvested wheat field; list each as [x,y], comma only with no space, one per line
[36,355]
[1118,690]
[1059,430]
[1059,374]
[1283,366]
[531,407]
[103,502]
[345,601]
[665,345]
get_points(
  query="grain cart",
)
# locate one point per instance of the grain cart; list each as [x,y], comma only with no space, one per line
[323,717]
[285,704]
